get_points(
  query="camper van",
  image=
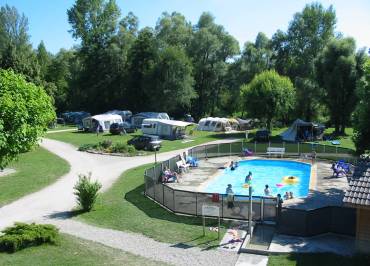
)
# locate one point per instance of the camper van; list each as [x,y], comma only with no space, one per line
[164,128]
[104,121]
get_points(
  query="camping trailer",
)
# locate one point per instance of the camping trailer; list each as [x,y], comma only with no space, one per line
[137,119]
[104,121]
[164,128]
[303,131]
[215,124]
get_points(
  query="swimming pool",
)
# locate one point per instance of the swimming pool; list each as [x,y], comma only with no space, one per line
[270,172]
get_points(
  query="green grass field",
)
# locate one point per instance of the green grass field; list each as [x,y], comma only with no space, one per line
[78,138]
[34,170]
[318,259]
[73,251]
[124,207]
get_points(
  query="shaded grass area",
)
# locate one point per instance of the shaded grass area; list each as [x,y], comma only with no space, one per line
[73,251]
[34,170]
[124,207]
[318,259]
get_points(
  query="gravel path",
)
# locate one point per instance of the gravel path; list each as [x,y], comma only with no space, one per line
[146,247]
[58,198]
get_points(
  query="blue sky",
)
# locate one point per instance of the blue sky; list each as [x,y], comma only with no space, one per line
[241,18]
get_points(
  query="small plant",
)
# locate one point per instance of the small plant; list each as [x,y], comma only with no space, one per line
[23,235]
[86,191]
[131,149]
[86,147]
[105,144]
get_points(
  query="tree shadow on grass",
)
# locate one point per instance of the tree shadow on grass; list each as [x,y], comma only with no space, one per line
[64,215]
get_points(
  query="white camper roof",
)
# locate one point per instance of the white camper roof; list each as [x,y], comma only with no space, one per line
[167,122]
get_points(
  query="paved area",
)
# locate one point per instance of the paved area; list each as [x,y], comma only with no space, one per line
[332,243]
[61,130]
[6,171]
[251,259]
[146,247]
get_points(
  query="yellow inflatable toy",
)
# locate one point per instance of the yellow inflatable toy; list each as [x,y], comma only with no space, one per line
[245,185]
[290,179]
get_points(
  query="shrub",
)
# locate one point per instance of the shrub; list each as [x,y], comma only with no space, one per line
[120,147]
[23,235]
[105,144]
[86,191]
[131,149]
[86,147]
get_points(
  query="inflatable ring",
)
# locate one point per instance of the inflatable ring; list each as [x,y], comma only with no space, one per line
[290,179]
[279,185]
[245,185]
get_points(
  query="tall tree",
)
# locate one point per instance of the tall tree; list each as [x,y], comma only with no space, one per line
[15,49]
[269,96]
[95,23]
[210,49]
[338,71]
[296,50]
[142,59]
[43,58]
[362,112]
[174,82]
[255,58]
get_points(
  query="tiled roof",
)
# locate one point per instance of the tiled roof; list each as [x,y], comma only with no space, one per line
[358,193]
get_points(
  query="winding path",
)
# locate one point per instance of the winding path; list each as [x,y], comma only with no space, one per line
[53,202]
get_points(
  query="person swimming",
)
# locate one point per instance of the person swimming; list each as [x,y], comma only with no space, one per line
[248,178]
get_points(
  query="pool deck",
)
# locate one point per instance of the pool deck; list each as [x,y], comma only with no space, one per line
[325,190]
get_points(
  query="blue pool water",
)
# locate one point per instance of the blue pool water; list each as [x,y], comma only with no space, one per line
[270,172]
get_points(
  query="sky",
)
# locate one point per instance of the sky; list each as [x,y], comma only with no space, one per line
[241,18]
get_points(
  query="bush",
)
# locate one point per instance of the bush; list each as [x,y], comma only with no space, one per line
[131,149]
[86,147]
[23,235]
[86,191]
[105,144]
[120,148]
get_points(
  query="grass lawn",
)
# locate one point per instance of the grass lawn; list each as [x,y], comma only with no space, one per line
[124,207]
[318,259]
[78,138]
[34,170]
[73,251]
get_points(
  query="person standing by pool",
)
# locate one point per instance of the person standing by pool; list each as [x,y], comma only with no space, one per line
[230,196]
[248,178]
[267,190]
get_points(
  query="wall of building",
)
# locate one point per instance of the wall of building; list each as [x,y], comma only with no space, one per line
[363,229]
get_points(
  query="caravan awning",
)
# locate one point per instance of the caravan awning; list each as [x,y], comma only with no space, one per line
[175,123]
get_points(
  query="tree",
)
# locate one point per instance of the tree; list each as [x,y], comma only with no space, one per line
[210,49]
[269,96]
[174,81]
[337,73]
[361,116]
[43,58]
[296,50]
[25,112]
[142,59]
[255,58]
[15,49]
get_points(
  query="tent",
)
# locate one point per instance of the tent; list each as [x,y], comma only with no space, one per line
[137,119]
[301,130]
[164,128]
[104,121]
[215,124]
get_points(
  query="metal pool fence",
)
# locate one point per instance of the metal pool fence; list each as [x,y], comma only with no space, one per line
[190,202]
